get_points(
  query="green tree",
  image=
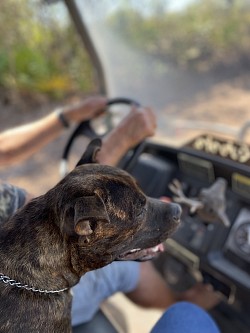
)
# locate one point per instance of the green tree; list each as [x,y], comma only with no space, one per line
[40,50]
[203,36]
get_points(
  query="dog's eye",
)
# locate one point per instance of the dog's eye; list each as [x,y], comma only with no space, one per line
[140,213]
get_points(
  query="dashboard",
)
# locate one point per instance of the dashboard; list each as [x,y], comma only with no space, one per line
[200,250]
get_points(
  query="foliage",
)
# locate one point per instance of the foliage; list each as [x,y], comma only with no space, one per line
[205,35]
[40,51]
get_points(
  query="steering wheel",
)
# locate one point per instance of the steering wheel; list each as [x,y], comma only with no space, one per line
[85,129]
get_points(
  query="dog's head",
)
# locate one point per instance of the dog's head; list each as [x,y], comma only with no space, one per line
[106,217]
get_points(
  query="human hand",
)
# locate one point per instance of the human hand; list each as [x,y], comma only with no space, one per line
[85,110]
[136,126]
[203,295]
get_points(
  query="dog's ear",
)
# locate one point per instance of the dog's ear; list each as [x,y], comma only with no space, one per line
[89,156]
[88,209]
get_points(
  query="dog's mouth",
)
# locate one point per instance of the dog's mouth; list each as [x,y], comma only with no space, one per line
[142,254]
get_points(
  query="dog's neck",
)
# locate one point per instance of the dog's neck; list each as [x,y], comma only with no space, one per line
[35,254]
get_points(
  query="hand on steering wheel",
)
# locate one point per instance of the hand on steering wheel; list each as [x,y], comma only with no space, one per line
[85,128]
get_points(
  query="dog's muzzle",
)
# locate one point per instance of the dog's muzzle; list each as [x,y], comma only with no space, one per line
[174,210]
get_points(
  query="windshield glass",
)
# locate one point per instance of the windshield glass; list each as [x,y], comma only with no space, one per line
[187,59]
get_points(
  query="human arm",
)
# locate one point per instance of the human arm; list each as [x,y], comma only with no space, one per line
[153,292]
[135,127]
[21,142]
[139,124]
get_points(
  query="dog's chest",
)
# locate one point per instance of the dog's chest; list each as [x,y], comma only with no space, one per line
[26,311]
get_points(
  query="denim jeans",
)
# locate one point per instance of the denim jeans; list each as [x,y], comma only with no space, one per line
[185,317]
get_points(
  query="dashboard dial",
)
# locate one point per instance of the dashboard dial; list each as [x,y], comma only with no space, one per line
[242,237]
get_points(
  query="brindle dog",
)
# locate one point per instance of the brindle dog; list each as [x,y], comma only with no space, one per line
[95,215]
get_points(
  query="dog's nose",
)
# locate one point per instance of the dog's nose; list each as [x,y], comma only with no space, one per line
[176,209]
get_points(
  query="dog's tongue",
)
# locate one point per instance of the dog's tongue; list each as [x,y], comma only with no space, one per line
[142,255]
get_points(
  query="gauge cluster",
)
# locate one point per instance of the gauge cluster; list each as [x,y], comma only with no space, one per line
[238,240]
[242,239]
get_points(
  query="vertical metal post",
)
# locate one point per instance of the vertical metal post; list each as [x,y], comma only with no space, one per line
[84,34]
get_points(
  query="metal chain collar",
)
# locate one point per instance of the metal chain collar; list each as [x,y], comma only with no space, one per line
[7,280]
